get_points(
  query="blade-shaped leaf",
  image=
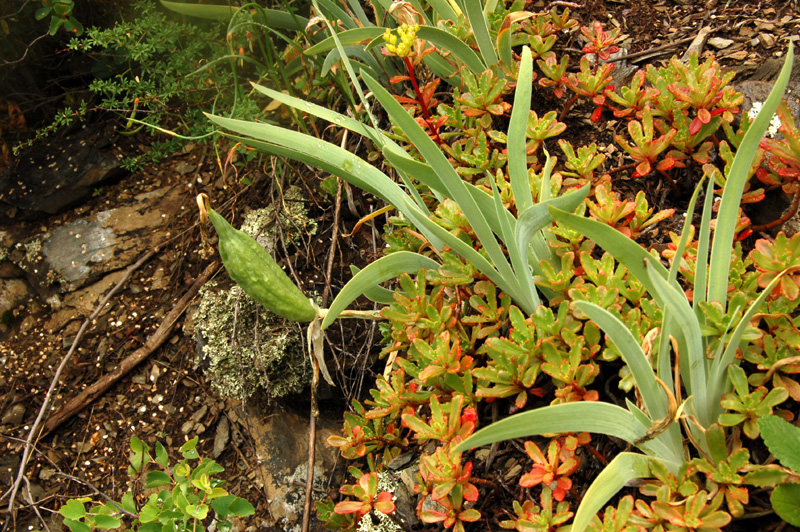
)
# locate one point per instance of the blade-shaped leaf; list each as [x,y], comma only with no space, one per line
[693,360]
[273,18]
[347,38]
[621,470]
[477,20]
[719,270]
[517,127]
[452,181]
[381,270]
[598,417]
[632,354]
[377,293]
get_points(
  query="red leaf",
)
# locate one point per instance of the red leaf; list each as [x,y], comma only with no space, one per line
[351,507]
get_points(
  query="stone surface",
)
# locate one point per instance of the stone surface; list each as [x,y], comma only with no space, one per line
[758,91]
[14,415]
[58,174]
[13,292]
[719,42]
[75,255]
[281,442]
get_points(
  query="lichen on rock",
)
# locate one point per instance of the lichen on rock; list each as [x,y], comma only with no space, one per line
[245,348]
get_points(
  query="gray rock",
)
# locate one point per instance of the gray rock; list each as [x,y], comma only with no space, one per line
[56,175]
[281,443]
[14,415]
[222,437]
[82,252]
[14,292]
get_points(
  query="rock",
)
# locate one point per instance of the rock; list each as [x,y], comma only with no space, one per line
[78,254]
[281,443]
[198,415]
[719,43]
[14,415]
[13,293]
[184,168]
[222,437]
[758,91]
[56,175]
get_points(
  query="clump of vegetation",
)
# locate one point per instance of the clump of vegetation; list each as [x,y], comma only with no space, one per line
[246,348]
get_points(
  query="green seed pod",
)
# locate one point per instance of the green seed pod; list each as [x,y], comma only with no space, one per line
[251,267]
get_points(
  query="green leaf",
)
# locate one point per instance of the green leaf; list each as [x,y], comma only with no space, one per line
[241,508]
[188,449]
[444,40]
[719,270]
[156,479]
[221,506]
[76,526]
[199,511]
[106,522]
[602,418]
[632,354]
[480,28]
[42,12]
[273,18]
[457,190]
[74,509]
[149,512]
[128,504]
[162,456]
[765,476]
[378,294]
[782,439]
[694,357]
[381,270]
[786,503]
[517,126]
[621,470]
[347,38]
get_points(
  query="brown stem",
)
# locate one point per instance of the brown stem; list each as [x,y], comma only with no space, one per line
[621,168]
[484,482]
[567,106]
[312,440]
[791,212]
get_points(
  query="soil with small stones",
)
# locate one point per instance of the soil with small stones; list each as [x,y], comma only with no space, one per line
[157,398]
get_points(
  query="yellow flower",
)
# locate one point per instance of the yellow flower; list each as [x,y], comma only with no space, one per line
[407,34]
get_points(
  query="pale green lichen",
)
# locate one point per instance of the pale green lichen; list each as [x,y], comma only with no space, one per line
[32,250]
[265,353]
[260,223]
[381,521]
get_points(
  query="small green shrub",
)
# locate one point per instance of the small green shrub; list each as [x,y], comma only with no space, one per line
[180,496]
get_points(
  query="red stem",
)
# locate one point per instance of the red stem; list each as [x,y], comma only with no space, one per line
[791,212]
[422,103]
[567,105]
